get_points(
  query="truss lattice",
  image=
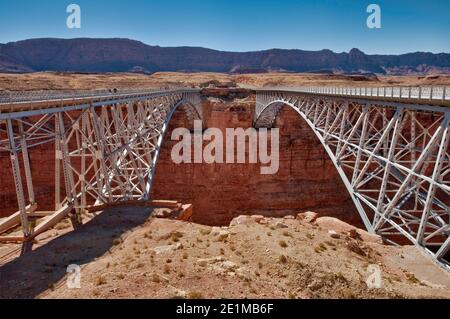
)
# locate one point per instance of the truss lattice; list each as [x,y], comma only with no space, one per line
[394,159]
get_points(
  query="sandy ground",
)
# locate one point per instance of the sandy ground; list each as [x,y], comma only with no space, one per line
[59,81]
[127,253]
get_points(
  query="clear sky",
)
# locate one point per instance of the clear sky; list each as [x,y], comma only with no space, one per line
[240,25]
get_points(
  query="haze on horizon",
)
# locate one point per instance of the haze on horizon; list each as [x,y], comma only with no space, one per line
[232,25]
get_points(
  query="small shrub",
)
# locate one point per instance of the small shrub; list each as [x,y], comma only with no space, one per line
[176,236]
[282,259]
[156,279]
[120,276]
[282,244]
[100,281]
[166,269]
[117,241]
[195,295]
[205,232]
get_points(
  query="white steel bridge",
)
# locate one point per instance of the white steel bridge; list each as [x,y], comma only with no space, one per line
[105,146]
[389,145]
[391,149]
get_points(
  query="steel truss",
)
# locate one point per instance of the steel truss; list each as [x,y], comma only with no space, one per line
[104,151]
[394,159]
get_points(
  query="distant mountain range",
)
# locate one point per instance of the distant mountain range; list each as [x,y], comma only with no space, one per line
[124,55]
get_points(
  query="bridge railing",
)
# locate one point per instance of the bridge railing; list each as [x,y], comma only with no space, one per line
[421,93]
[37,96]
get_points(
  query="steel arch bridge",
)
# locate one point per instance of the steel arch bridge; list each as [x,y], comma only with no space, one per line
[391,149]
[105,145]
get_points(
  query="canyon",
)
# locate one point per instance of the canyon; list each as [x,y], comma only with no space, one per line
[306,179]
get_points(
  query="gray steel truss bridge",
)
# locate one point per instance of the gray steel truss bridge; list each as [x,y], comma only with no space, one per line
[391,149]
[105,146]
[389,145]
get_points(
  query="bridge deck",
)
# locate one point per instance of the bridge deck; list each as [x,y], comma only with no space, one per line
[16,105]
[414,96]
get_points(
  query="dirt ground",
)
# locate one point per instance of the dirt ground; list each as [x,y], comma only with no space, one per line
[66,81]
[126,253]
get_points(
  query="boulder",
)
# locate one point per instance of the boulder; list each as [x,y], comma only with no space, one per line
[167,249]
[257,218]
[241,220]
[340,227]
[280,225]
[333,234]
[309,217]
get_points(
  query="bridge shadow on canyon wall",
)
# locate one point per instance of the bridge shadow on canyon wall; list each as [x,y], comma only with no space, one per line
[35,272]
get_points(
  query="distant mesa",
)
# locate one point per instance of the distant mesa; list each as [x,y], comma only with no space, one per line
[124,55]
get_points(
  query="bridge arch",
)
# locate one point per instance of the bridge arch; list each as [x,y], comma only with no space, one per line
[269,113]
[392,157]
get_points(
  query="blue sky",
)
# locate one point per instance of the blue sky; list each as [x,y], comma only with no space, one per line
[240,25]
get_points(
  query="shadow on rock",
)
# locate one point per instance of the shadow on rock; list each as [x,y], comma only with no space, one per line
[36,271]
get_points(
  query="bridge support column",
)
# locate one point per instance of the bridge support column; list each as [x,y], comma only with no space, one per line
[64,156]
[18,180]
[26,164]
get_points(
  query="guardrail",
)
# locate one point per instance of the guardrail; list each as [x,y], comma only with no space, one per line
[419,93]
[38,96]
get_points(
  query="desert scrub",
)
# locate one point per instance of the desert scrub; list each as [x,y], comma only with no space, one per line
[205,232]
[282,244]
[287,234]
[320,248]
[176,236]
[282,259]
[100,281]
[120,276]
[166,269]
[195,295]
[156,279]
[412,278]
[185,255]
[148,235]
[117,241]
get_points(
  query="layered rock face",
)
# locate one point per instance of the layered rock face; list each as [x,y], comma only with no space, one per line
[306,180]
